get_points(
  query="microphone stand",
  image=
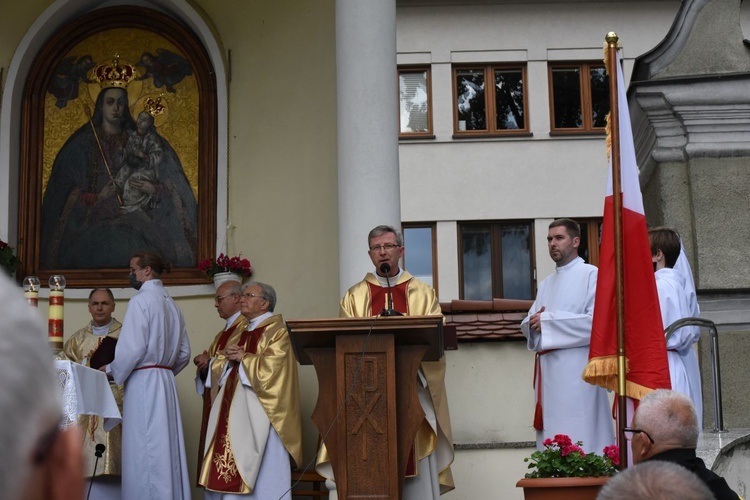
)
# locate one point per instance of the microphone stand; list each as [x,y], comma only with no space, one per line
[98,453]
[389,310]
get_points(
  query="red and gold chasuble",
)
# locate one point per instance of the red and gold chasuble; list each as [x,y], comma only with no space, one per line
[223,475]
[379,297]
[221,344]
[379,302]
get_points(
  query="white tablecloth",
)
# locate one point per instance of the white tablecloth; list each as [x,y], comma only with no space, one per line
[86,392]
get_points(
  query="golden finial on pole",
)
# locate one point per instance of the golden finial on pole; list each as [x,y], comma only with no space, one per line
[612,38]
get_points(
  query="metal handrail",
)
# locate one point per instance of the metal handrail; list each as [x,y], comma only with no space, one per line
[715,371]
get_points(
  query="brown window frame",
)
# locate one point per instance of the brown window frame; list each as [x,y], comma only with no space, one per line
[429,134]
[496,255]
[433,228]
[490,101]
[584,68]
[593,235]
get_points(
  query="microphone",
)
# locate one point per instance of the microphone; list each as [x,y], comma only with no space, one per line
[98,454]
[385,268]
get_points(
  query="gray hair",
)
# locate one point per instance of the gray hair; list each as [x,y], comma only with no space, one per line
[380,230]
[30,402]
[656,480]
[268,293]
[668,417]
[233,287]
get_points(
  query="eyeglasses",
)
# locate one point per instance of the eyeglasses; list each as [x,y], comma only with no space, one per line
[219,298]
[251,295]
[630,432]
[387,247]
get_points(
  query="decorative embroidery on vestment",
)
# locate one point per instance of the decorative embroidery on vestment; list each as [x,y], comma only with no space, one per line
[226,468]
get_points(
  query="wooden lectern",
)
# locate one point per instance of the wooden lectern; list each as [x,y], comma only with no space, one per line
[367,395]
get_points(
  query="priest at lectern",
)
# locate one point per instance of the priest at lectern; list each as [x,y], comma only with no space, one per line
[392,291]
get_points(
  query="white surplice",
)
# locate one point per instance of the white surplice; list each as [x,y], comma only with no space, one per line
[676,303]
[153,336]
[570,405]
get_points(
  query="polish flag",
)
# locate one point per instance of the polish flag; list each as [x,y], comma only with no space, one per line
[645,347]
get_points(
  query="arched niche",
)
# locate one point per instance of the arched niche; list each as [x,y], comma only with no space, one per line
[20,141]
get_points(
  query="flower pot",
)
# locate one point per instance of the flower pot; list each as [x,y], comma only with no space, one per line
[562,488]
[220,278]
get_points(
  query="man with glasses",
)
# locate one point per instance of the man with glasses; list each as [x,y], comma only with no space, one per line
[254,425]
[211,363]
[80,348]
[665,427]
[39,460]
[429,475]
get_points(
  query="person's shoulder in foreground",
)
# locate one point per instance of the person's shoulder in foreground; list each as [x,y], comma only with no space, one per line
[39,459]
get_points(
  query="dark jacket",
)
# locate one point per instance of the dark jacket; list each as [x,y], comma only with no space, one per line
[687,458]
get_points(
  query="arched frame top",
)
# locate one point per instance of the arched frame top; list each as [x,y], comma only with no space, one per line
[56,18]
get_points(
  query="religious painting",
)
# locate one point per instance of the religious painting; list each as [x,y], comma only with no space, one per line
[121,139]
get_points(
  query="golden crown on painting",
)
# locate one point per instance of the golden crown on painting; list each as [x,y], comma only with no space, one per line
[117,74]
[153,106]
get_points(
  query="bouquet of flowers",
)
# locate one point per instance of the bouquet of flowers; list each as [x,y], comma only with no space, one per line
[8,259]
[562,458]
[226,264]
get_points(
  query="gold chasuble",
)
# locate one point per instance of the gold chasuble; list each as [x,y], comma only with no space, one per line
[411,297]
[76,348]
[216,352]
[238,426]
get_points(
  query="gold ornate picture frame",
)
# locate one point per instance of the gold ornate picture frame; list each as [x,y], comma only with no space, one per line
[119,150]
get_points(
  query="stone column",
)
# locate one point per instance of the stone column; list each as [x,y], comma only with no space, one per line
[367,113]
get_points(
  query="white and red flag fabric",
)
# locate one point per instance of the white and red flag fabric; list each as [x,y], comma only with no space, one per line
[645,347]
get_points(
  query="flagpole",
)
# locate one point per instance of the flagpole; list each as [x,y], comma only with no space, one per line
[614,123]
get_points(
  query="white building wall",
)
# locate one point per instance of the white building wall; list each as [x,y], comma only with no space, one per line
[536,178]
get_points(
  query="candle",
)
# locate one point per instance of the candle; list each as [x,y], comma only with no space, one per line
[31,285]
[56,302]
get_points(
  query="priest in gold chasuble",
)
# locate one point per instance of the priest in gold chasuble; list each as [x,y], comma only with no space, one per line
[80,348]
[254,425]
[428,475]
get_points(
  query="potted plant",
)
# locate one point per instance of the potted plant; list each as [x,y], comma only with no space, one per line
[225,268]
[8,260]
[564,471]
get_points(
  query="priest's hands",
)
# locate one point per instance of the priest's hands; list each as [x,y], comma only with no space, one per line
[535,321]
[201,360]
[234,352]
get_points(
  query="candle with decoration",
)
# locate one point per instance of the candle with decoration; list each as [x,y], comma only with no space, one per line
[31,285]
[56,302]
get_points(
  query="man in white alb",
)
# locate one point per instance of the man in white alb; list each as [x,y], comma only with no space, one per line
[558,329]
[153,347]
[677,300]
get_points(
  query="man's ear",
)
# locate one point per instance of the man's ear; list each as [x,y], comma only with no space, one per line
[65,466]
[645,448]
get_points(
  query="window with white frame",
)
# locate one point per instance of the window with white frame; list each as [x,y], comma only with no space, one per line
[415,108]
